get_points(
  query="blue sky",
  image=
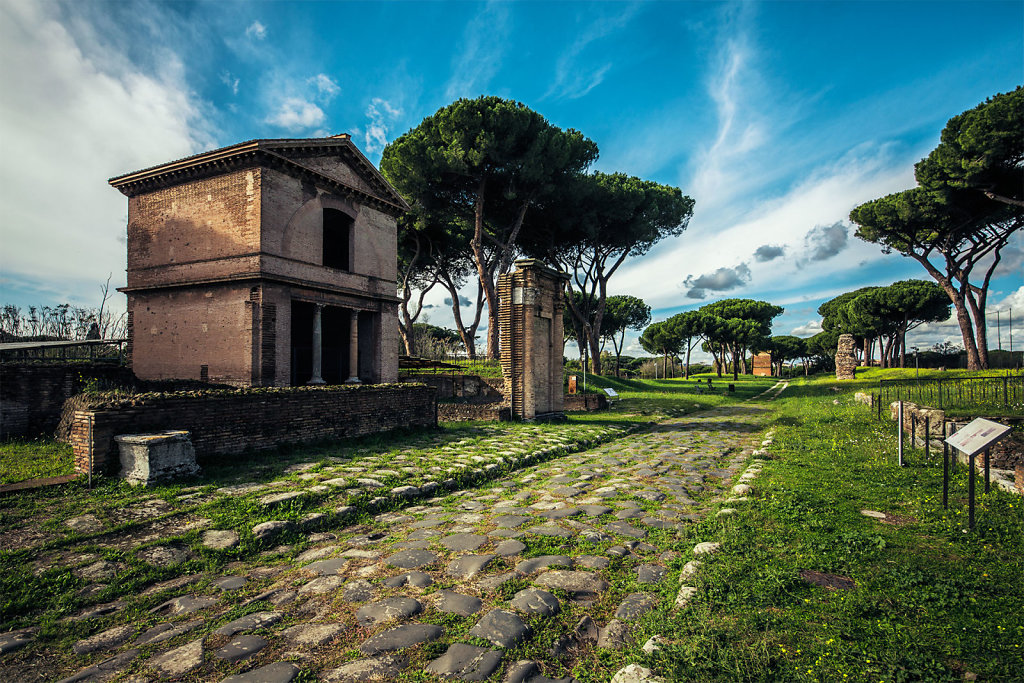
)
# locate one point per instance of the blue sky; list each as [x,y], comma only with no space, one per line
[777,118]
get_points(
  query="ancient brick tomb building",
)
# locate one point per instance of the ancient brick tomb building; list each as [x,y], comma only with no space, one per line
[267,263]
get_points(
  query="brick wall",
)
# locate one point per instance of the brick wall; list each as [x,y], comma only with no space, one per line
[32,395]
[231,422]
[460,386]
[586,402]
[462,412]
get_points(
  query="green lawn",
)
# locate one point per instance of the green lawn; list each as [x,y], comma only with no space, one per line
[931,601]
[32,459]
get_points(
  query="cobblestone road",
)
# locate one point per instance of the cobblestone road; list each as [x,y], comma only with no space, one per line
[521,579]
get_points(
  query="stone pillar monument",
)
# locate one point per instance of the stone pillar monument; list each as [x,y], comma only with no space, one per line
[846,361]
[531,340]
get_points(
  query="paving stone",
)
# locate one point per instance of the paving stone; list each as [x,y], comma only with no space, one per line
[536,564]
[179,661]
[278,498]
[104,670]
[229,583]
[328,567]
[468,566]
[167,630]
[614,636]
[572,581]
[414,579]
[536,601]
[595,510]
[323,584]
[84,524]
[493,583]
[466,663]
[707,548]
[411,559]
[406,545]
[278,672]
[241,647]
[456,603]
[741,489]
[249,622]
[401,637]
[502,628]
[389,609]
[551,530]
[634,673]
[220,539]
[626,529]
[15,640]
[595,536]
[463,542]
[650,573]
[873,513]
[103,570]
[509,548]
[636,605]
[653,644]
[105,640]
[360,590]
[186,604]
[684,596]
[171,584]
[385,668]
[561,513]
[591,562]
[508,521]
[268,530]
[312,635]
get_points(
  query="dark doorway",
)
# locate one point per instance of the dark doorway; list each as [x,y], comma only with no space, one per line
[334,344]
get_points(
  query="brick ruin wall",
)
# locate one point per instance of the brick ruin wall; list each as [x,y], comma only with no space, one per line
[461,386]
[846,361]
[233,423]
[33,395]
[586,402]
[481,412]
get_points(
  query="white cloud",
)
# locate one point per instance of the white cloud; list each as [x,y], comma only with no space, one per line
[81,114]
[296,114]
[808,329]
[227,79]
[381,114]
[326,86]
[822,242]
[256,30]
[574,80]
[480,57]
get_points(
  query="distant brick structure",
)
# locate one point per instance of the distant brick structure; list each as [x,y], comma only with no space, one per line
[846,361]
[763,365]
[232,422]
[531,340]
[266,263]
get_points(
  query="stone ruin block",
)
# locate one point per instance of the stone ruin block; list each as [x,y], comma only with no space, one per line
[150,458]
[846,361]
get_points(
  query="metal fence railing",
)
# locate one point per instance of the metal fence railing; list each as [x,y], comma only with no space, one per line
[1005,393]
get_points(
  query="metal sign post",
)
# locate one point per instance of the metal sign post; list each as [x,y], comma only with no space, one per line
[945,469]
[975,437]
[900,429]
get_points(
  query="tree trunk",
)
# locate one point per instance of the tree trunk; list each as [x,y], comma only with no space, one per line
[689,346]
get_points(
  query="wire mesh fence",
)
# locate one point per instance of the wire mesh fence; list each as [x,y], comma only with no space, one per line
[1003,394]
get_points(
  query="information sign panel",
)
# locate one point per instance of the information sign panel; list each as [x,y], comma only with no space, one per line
[977,435]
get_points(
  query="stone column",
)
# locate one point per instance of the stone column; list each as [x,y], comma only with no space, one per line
[317,345]
[353,349]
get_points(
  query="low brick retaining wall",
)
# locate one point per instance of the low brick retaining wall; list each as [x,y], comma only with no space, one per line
[585,402]
[464,412]
[460,386]
[231,422]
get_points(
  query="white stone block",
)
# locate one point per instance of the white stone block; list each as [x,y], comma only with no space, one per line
[148,458]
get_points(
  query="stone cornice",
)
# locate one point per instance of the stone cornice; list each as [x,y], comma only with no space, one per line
[270,154]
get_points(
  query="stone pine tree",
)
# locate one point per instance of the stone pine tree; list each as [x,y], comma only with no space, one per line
[486,162]
[623,312]
[747,323]
[591,227]
[963,213]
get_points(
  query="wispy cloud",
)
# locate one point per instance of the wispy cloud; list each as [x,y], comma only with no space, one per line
[326,87]
[296,114]
[574,77]
[256,30]
[808,329]
[381,114]
[479,59]
[231,81]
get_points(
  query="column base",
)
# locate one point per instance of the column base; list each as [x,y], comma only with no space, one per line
[353,380]
[315,382]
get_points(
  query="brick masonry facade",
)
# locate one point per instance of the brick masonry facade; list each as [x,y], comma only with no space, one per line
[230,423]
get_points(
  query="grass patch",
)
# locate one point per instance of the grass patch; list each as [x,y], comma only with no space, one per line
[931,602]
[22,459]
